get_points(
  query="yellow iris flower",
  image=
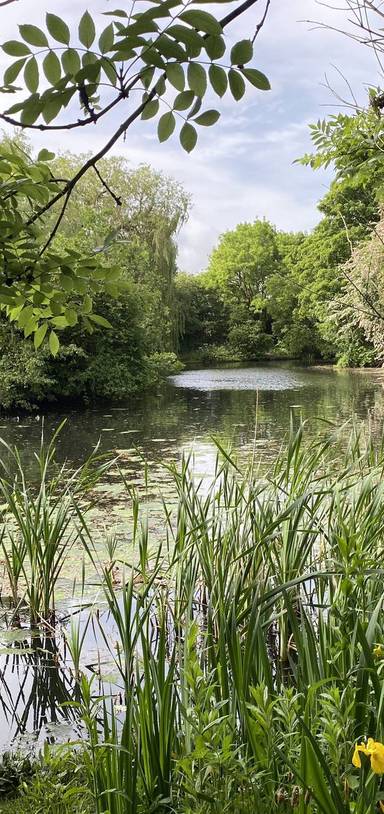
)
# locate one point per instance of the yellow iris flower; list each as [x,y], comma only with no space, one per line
[374,750]
[378,651]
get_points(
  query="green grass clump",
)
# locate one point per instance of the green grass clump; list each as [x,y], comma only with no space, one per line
[249,647]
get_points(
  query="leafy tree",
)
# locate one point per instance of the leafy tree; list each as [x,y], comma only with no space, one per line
[153,63]
[202,314]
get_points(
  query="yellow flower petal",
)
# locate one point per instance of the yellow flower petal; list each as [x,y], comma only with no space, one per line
[356,758]
[377,758]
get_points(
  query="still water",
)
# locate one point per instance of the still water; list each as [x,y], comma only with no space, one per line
[247,407]
[196,406]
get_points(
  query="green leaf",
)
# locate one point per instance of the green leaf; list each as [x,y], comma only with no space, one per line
[52,108]
[45,155]
[15,49]
[166,126]
[31,75]
[215,47]
[201,20]
[70,61]
[208,118]
[106,39]
[151,109]
[100,320]
[197,79]
[57,28]
[52,68]
[13,71]
[242,52]
[54,343]
[33,35]
[175,74]
[71,317]
[236,84]
[218,79]
[87,31]
[183,100]
[257,78]
[188,137]
[39,336]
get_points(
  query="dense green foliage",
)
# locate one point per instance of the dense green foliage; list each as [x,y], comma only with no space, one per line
[130,64]
[296,295]
[248,646]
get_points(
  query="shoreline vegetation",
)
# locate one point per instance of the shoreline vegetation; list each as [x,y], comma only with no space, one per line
[246,670]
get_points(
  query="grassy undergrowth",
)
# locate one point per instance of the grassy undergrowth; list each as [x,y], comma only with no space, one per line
[249,654]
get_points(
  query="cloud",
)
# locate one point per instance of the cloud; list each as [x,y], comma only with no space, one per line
[243,168]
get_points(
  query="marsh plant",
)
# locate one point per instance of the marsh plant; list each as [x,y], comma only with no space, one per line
[43,517]
[249,653]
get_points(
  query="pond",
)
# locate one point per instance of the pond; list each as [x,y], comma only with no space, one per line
[248,407]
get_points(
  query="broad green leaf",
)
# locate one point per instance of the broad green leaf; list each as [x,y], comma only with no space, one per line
[175,75]
[169,48]
[151,109]
[242,52]
[52,68]
[109,70]
[194,109]
[118,12]
[197,79]
[71,317]
[39,335]
[106,39]
[31,75]
[104,323]
[236,84]
[208,118]
[193,41]
[188,137]
[33,35]
[52,108]
[70,61]
[15,49]
[45,155]
[201,20]
[57,28]
[13,71]
[183,100]
[257,78]
[215,47]
[166,126]
[218,79]
[87,31]
[54,343]
[31,110]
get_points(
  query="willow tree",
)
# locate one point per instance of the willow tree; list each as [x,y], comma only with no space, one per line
[151,64]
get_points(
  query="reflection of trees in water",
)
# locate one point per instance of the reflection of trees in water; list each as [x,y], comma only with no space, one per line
[178,415]
[33,685]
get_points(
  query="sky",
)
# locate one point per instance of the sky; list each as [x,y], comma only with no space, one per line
[242,168]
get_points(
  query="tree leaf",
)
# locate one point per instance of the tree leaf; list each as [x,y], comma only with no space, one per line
[183,100]
[218,79]
[45,155]
[87,31]
[215,47]
[208,118]
[236,84]
[242,52]
[33,35]
[52,68]
[31,75]
[201,20]
[106,39]
[197,79]
[57,28]
[166,126]
[257,78]
[54,343]
[188,137]
[175,74]
[15,49]
[13,71]
[104,323]
[70,61]
[151,109]
[39,335]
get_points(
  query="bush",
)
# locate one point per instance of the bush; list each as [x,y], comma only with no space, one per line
[249,341]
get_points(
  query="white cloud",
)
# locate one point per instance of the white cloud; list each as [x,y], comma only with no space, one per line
[243,168]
